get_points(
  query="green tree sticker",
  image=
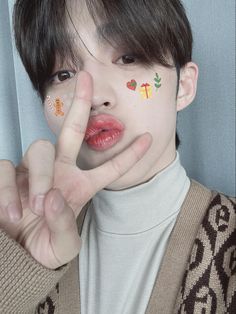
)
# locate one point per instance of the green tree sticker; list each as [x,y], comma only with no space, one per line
[157,80]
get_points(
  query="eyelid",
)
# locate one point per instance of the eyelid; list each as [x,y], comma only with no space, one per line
[132,55]
[52,77]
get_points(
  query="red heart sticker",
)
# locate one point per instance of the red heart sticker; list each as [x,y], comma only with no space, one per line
[132,85]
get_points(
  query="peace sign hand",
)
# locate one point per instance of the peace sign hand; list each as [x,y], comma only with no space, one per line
[42,197]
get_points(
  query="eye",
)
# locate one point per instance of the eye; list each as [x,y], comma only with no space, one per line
[62,76]
[127,59]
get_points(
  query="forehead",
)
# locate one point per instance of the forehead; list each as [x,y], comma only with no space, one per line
[80,23]
[83,27]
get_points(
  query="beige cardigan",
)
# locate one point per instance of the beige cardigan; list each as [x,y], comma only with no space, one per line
[198,270]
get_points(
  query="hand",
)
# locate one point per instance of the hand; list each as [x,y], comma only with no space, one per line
[42,197]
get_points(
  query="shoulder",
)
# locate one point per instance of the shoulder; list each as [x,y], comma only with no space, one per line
[221,211]
[220,199]
[210,278]
[216,203]
[218,226]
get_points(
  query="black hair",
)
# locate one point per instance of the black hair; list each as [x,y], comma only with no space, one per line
[153,30]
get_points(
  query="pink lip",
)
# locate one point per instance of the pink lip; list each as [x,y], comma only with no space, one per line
[103,131]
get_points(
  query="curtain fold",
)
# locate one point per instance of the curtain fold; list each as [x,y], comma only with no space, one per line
[10,134]
[21,112]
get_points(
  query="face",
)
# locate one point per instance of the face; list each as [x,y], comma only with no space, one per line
[135,98]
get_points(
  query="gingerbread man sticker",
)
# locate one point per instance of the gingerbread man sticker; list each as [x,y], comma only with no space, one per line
[58,107]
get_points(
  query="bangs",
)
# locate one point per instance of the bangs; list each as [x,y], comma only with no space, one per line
[130,25]
[155,31]
[41,39]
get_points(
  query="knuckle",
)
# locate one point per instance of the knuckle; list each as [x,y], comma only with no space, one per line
[77,128]
[116,166]
[68,222]
[82,99]
[7,174]
[63,159]
[137,156]
[7,193]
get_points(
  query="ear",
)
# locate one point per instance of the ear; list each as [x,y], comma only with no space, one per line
[187,85]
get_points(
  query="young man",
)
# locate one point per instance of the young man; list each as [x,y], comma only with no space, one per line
[112,76]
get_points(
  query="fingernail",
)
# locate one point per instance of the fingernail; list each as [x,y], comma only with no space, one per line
[39,204]
[13,212]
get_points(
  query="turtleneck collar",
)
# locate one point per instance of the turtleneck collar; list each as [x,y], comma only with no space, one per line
[143,207]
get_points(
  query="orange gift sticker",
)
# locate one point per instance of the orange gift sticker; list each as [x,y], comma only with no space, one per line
[146,91]
[58,107]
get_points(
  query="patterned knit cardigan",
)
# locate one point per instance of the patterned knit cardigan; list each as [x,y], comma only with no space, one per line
[197,274]
[209,282]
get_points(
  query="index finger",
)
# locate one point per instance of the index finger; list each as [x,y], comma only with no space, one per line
[74,126]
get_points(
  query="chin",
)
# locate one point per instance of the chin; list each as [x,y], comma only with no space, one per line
[89,159]
[129,179]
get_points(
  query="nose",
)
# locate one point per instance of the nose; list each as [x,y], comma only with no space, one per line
[101,102]
[103,91]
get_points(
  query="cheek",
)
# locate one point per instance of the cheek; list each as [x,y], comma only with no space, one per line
[55,110]
[146,88]
[151,101]
[152,93]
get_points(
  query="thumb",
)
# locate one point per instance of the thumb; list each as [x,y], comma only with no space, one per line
[61,221]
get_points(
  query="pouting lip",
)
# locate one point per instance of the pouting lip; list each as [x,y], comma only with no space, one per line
[102,122]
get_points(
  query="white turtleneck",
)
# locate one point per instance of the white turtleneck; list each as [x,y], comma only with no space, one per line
[124,237]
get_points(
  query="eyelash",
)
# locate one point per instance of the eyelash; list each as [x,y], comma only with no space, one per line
[55,76]
[61,72]
[129,56]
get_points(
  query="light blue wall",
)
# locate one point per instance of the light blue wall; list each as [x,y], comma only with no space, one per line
[206,128]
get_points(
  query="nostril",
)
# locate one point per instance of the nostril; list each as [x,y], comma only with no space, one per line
[106,104]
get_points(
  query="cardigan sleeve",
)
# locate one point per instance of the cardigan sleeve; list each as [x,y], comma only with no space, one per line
[23,281]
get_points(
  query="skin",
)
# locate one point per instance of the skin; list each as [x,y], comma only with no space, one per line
[110,75]
[41,198]
[51,174]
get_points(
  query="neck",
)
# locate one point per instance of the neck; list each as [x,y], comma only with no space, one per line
[144,206]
